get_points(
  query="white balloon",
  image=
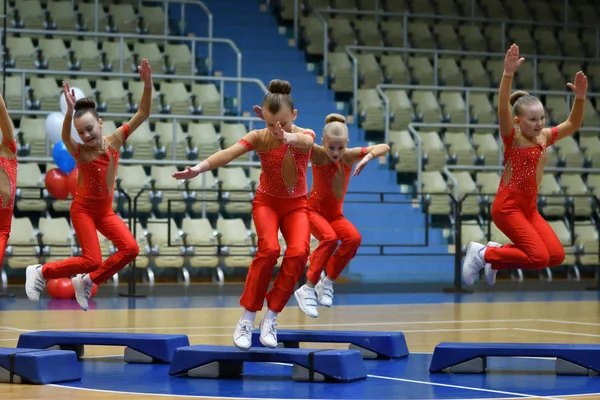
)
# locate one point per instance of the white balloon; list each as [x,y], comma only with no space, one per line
[63,102]
[54,123]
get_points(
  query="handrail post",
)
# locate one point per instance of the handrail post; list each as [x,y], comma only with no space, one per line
[354,83]
[325,43]
[415,134]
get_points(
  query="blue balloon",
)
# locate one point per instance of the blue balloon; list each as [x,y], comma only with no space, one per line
[63,160]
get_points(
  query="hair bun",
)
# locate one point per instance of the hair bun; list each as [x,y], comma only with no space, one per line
[280,86]
[84,104]
[335,118]
[516,96]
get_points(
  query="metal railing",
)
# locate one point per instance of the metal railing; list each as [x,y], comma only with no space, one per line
[123,36]
[412,129]
[467,90]
[409,16]
[126,116]
[480,168]
[436,55]
[120,76]
[456,206]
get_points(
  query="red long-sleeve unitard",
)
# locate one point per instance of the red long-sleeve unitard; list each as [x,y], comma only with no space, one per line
[91,210]
[8,189]
[515,213]
[279,203]
[327,221]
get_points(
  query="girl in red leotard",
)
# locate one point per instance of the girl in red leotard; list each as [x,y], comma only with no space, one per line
[535,245]
[97,161]
[279,203]
[331,168]
[8,177]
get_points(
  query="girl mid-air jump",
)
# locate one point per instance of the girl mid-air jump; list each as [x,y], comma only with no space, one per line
[97,161]
[279,203]
[331,168]
[514,211]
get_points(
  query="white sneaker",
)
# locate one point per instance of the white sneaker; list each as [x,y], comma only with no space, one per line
[242,337]
[34,282]
[307,301]
[324,291]
[473,262]
[489,273]
[83,291]
[268,332]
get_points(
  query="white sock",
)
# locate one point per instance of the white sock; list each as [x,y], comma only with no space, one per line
[271,314]
[327,281]
[308,288]
[87,279]
[249,316]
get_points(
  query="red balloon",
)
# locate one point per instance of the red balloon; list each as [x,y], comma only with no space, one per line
[56,183]
[61,288]
[73,181]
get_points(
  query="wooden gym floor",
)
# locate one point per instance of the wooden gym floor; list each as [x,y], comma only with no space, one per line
[425,318]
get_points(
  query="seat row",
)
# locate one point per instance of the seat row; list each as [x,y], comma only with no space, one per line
[195,243]
[559,194]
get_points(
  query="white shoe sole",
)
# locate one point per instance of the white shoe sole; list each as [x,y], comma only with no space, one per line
[301,305]
[240,347]
[267,345]
[79,286]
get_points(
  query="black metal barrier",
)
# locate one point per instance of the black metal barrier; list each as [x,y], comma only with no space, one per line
[568,202]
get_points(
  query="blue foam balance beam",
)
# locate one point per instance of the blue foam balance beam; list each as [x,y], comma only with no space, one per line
[139,347]
[205,361]
[571,359]
[372,345]
[38,366]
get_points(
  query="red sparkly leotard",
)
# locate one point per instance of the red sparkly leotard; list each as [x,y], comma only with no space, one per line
[10,166]
[283,167]
[97,176]
[330,180]
[524,165]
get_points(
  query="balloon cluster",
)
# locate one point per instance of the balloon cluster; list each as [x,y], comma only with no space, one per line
[62,181]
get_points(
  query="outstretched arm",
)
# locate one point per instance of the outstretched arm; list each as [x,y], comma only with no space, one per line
[365,154]
[5,123]
[219,159]
[511,64]
[66,136]
[573,123]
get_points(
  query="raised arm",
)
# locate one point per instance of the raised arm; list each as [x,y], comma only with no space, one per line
[511,64]
[573,123]
[363,155]
[220,158]
[5,123]
[143,111]
[66,136]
